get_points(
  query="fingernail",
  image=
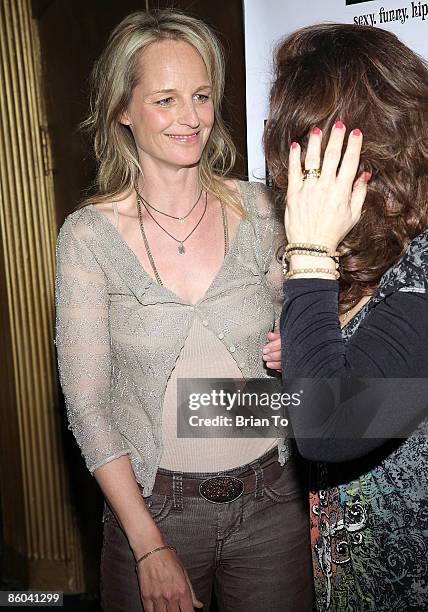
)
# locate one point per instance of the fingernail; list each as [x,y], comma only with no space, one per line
[316,130]
[265,350]
[356,132]
[294,145]
[367,176]
[339,125]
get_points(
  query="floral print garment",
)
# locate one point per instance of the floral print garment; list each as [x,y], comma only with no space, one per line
[370,536]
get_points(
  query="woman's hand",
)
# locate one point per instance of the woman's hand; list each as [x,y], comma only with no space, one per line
[272,351]
[323,210]
[165,585]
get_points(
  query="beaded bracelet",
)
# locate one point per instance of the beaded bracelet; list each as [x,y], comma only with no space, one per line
[151,552]
[292,273]
[285,266]
[296,251]
[308,246]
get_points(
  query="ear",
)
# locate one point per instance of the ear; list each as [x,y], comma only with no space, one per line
[124,118]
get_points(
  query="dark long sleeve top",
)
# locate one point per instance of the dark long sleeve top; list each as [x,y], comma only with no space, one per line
[391,342]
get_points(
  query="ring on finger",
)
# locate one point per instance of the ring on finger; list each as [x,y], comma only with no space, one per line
[312,173]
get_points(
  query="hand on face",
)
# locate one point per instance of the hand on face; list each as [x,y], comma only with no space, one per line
[323,210]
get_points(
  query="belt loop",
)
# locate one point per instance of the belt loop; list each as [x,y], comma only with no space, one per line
[177,492]
[259,488]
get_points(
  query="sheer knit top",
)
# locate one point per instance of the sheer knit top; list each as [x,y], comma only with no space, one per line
[114,365]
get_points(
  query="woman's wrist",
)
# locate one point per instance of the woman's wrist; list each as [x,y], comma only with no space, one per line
[149,539]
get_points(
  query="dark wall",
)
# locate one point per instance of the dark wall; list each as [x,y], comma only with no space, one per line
[72,35]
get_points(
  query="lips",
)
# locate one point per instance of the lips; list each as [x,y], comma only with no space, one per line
[183,137]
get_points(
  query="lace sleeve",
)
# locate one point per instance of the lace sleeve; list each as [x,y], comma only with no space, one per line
[272,236]
[83,346]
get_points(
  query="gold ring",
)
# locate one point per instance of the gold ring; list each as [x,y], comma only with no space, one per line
[312,173]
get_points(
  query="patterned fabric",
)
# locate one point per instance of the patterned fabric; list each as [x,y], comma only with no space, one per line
[119,333]
[370,536]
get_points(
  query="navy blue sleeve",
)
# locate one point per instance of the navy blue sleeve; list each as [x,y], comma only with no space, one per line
[391,342]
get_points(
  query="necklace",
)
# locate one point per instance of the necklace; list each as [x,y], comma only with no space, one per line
[349,314]
[344,317]
[146,242]
[161,212]
[181,249]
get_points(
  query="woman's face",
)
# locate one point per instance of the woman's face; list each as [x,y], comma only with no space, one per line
[171,112]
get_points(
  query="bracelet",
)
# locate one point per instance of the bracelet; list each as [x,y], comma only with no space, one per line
[292,273]
[155,550]
[308,246]
[311,253]
[334,258]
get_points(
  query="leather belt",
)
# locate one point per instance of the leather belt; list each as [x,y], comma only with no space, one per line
[222,488]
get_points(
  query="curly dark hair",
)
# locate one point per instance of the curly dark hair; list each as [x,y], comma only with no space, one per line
[369,79]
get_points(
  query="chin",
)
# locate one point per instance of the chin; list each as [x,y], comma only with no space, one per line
[186,161]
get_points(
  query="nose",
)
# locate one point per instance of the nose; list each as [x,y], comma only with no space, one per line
[188,114]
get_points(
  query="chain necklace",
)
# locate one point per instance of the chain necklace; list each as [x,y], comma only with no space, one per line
[181,219]
[349,314]
[344,317]
[146,242]
[181,248]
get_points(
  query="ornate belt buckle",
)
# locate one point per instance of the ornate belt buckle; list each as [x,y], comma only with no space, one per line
[221,489]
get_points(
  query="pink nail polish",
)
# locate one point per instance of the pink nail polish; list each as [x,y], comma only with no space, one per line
[356,132]
[294,145]
[339,125]
[367,176]
[316,130]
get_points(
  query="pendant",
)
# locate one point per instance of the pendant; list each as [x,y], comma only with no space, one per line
[181,249]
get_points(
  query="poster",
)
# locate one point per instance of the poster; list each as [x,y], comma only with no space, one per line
[267,21]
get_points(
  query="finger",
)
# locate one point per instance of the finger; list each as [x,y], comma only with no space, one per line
[273,356]
[195,601]
[173,606]
[358,195]
[160,606]
[148,605]
[274,345]
[313,153]
[333,152]
[186,604]
[295,175]
[351,159]
[273,335]
[274,365]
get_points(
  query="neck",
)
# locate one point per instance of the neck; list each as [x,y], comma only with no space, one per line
[172,190]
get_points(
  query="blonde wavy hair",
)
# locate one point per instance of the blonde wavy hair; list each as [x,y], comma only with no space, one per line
[113,79]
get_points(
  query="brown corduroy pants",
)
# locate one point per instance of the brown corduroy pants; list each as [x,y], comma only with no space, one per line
[254,552]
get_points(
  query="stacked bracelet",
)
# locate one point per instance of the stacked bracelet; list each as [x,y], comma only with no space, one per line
[310,247]
[329,271]
[312,250]
[155,550]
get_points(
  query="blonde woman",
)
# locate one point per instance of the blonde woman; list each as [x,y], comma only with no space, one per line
[169,272]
